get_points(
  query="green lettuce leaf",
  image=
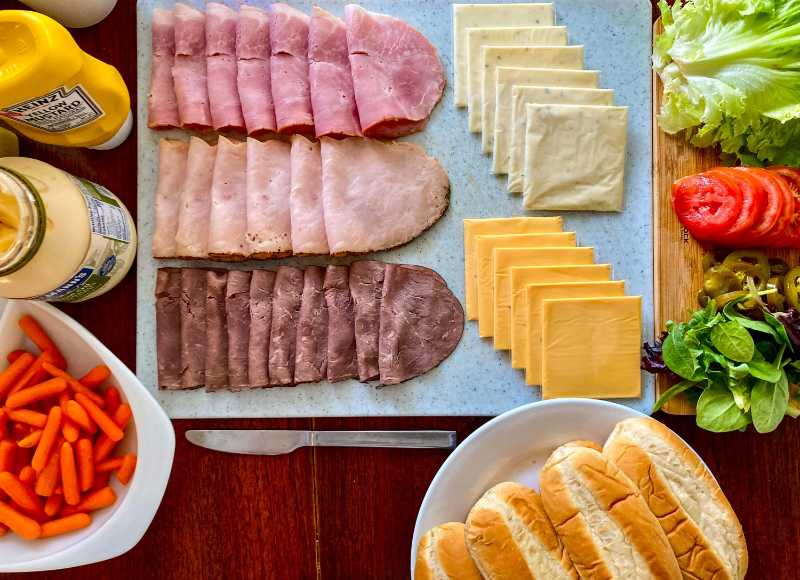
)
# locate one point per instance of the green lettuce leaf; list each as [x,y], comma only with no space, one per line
[731,75]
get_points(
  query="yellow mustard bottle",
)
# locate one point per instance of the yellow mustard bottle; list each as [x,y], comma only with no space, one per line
[51,91]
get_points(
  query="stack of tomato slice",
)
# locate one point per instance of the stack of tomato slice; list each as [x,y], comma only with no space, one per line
[741,207]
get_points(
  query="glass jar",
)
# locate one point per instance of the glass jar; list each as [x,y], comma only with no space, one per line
[62,238]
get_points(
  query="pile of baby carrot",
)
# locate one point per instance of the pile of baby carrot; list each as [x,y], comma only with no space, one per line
[57,437]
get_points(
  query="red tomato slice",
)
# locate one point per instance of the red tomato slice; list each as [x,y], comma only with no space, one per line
[773,216]
[778,235]
[753,202]
[791,176]
[706,205]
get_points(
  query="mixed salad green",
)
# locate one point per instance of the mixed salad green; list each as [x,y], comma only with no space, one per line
[731,74]
[739,366]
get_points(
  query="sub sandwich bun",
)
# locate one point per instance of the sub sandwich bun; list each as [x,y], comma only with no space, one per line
[602,519]
[509,537]
[584,443]
[694,513]
[442,553]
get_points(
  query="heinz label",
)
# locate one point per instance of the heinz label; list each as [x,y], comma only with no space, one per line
[58,111]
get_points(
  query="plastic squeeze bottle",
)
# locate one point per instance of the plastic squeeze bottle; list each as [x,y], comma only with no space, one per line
[51,91]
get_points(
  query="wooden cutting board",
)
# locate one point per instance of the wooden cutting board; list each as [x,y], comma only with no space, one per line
[678,271]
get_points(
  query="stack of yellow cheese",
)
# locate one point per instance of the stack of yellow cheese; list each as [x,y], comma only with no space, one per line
[539,295]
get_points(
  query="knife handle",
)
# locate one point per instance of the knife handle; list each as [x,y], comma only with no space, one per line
[398,439]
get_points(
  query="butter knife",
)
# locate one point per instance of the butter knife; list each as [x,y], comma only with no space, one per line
[264,442]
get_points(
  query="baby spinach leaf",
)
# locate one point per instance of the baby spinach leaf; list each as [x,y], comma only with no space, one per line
[760,368]
[757,325]
[717,411]
[672,392]
[779,329]
[732,340]
[769,403]
[679,358]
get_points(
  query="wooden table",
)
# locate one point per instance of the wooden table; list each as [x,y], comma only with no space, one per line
[336,513]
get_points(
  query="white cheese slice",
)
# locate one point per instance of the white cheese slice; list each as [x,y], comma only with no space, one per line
[493,57]
[489,15]
[574,157]
[527,36]
[509,144]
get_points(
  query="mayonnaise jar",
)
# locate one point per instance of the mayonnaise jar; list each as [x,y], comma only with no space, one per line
[62,238]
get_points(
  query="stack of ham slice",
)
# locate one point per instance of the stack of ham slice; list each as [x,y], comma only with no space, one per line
[259,200]
[280,70]
[245,329]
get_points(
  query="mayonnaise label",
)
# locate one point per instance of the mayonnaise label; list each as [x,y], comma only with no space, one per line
[58,111]
[111,235]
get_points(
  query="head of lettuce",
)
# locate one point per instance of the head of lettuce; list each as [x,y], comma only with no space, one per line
[731,75]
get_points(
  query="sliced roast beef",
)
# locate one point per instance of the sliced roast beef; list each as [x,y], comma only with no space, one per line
[341,325]
[378,195]
[283,334]
[288,36]
[193,327]
[312,329]
[262,283]
[168,328]
[330,80]
[397,75]
[421,323]
[237,312]
[366,287]
[216,331]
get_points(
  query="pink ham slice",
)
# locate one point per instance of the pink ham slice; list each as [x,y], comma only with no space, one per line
[189,69]
[162,106]
[379,195]
[331,83]
[228,218]
[221,24]
[269,228]
[397,75]
[253,76]
[172,156]
[191,239]
[289,69]
[307,219]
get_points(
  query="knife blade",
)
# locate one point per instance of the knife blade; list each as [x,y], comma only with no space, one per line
[279,442]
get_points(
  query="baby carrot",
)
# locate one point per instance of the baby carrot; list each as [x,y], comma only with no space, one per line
[95,377]
[106,424]
[53,504]
[3,424]
[39,337]
[18,523]
[8,455]
[20,493]
[81,418]
[48,478]
[73,383]
[36,393]
[27,475]
[85,464]
[65,525]
[125,472]
[14,371]
[104,446]
[31,440]
[47,440]
[35,373]
[15,354]
[69,430]
[113,400]
[109,465]
[102,498]
[32,418]
[69,475]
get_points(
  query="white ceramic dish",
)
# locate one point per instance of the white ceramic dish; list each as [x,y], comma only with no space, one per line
[511,447]
[114,530]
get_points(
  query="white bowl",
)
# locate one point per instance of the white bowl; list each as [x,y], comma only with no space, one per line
[511,447]
[117,529]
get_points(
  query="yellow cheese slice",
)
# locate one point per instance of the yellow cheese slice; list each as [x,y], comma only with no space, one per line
[536,294]
[498,226]
[503,260]
[522,277]
[590,347]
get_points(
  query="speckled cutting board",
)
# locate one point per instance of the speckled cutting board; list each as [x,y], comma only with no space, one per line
[475,379]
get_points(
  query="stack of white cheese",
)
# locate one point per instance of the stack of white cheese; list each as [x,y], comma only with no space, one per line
[548,127]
